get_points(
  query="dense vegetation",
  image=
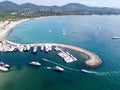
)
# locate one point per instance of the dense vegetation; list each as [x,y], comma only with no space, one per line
[12,10]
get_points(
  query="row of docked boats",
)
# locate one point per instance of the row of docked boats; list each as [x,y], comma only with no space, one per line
[46,47]
[66,56]
[11,47]
[24,47]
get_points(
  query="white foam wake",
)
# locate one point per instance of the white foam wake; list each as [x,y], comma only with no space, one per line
[99,73]
[72,69]
[83,70]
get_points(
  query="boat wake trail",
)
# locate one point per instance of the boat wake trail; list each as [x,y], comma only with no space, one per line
[72,69]
[99,73]
[83,70]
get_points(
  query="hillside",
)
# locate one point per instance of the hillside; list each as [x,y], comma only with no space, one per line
[7,7]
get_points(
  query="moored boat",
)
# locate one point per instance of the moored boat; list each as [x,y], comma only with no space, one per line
[4,67]
[35,63]
[115,37]
[58,68]
[42,47]
[34,49]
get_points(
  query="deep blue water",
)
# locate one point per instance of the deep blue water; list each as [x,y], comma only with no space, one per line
[89,32]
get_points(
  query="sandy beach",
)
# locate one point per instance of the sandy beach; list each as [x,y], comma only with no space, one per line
[4,31]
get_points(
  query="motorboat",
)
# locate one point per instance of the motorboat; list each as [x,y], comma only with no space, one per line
[58,68]
[35,63]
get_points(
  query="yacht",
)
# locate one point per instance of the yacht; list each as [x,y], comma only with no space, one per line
[42,47]
[115,37]
[3,66]
[28,47]
[4,69]
[35,49]
[35,63]
[6,65]
[58,68]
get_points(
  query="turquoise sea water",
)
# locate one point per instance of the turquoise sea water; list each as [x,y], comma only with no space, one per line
[89,32]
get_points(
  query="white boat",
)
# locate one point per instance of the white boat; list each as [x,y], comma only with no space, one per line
[1,63]
[28,47]
[57,49]
[48,68]
[42,47]
[58,68]
[47,48]
[35,63]
[115,37]
[83,70]
[21,49]
[25,48]
[6,65]
[63,33]
[35,49]
[3,69]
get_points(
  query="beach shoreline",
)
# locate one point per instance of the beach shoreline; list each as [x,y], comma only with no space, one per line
[4,31]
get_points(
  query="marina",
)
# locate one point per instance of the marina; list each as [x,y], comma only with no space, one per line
[77,74]
[67,57]
[93,60]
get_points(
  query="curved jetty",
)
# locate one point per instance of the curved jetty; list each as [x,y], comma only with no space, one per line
[93,60]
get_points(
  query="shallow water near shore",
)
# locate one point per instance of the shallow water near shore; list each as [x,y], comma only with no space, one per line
[89,32]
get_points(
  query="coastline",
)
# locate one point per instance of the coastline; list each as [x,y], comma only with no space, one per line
[93,60]
[4,31]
